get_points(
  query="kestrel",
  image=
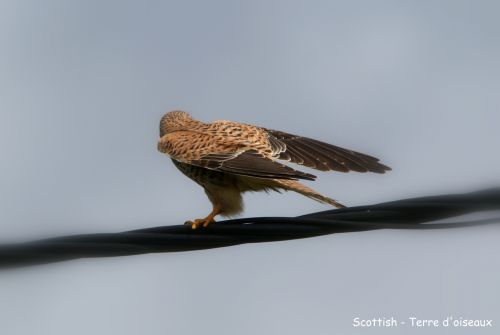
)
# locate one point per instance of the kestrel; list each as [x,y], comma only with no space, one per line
[230,158]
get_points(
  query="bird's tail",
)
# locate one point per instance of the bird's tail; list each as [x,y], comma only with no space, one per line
[293,185]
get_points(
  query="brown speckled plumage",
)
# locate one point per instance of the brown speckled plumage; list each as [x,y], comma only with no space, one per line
[229,158]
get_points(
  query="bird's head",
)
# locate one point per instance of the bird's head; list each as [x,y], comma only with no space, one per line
[174,121]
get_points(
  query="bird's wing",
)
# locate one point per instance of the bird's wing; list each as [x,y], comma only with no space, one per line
[321,156]
[225,155]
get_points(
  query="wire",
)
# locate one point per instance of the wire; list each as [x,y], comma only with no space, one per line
[417,213]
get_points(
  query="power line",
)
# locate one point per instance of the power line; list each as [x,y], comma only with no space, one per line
[417,213]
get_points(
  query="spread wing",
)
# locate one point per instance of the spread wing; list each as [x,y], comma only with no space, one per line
[321,156]
[217,153]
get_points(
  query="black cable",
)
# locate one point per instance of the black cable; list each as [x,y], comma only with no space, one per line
[417,213]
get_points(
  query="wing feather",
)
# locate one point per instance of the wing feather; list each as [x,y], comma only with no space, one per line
[216,153]
[251,163]
[323,156]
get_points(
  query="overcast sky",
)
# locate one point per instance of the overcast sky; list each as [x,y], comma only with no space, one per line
[83,85]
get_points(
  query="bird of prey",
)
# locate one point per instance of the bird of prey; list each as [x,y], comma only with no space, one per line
[229,158]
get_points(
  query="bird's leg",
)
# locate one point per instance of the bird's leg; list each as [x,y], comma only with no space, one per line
[206,221]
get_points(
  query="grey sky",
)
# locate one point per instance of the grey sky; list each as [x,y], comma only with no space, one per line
[84,83]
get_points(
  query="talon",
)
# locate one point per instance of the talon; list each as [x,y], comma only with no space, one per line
[207,222]
[193,225]
[196,223]
[200,222]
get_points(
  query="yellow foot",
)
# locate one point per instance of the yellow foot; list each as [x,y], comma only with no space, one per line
[200,222]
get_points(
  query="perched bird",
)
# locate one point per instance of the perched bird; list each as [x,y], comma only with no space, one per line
[229,158]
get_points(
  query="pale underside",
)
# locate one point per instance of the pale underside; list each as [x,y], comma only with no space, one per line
[226,189]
